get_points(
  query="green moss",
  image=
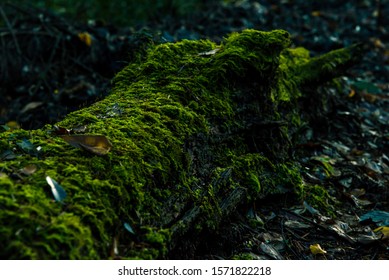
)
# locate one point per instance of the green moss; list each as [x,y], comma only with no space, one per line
[189,123]
[262,177]
[245,256]
[37,227]
[159,239]
[318,197]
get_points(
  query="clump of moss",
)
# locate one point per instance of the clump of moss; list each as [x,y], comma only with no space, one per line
[189,123]
[318,197]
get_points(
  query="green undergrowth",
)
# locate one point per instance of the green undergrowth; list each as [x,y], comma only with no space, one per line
[189,122]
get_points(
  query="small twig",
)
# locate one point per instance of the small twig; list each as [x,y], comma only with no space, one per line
[379,15]
[37,12]
[3,64]
[86,68]
[270,123]
[285,241]
[25,32]
[18,8]
[374,255]
[48,65]
[11,30]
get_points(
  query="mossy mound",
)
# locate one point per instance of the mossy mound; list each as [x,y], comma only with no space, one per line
[196,129]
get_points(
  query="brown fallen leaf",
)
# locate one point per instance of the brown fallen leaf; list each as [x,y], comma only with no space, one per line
[96,144]
[59,130]
[29,169]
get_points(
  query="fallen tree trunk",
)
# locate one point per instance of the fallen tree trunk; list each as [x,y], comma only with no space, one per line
[195,129]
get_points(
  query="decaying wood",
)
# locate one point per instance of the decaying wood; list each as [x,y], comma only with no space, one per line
[191,139]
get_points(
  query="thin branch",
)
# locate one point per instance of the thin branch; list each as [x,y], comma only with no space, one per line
[11,30]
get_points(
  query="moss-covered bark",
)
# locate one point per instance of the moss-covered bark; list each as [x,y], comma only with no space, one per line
[196,129]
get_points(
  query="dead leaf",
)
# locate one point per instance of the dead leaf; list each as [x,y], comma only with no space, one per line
[7,155]
[367,239]
[311,210]
[270,251]
[28,169]
[208,53]
[59,130]
[57,190]
[31,106]
[351,93]
[78,129]
[316,249]
[28,147]
[378,43]
[129,228]
[296,224]
[96,144]
[12,125]
[360,202]
[340,229]
[316,13]
[357,192]
[383,231]
[377,216]
[86,38]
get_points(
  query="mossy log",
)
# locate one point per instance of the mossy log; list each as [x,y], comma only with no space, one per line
[197,129]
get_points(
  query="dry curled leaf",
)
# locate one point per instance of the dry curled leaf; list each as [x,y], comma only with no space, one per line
[96,144]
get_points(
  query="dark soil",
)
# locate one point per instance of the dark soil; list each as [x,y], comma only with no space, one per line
[48,68]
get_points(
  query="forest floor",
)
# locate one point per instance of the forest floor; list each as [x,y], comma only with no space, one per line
[47,62]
